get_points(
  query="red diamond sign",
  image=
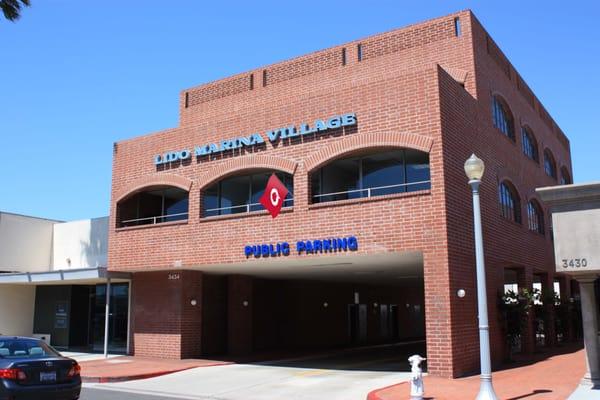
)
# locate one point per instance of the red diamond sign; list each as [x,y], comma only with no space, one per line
[272,198]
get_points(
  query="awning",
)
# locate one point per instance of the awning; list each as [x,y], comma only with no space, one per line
[81,275]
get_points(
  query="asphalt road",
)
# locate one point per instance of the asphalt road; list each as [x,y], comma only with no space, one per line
[101,394]
[346,376]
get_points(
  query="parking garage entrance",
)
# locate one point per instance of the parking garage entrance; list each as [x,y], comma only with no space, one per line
[292,307]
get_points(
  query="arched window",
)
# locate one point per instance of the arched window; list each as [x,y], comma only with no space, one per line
[153,205]
[241,193]
[371,174]
[510,206]
[530,148]
[549,164]
[503,119]
[535,217]
[565,177]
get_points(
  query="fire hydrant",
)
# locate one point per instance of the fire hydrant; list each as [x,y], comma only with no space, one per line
[416,377]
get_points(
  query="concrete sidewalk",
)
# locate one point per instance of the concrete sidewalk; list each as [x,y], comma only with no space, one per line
[125,368]
[550,376]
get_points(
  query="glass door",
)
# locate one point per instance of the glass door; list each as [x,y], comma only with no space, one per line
[117,317]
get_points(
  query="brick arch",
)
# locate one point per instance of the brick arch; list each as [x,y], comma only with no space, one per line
[514,184]
[248,162]
[178,181]
[365,141]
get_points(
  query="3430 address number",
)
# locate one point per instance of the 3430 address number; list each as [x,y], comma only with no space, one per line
[574,262]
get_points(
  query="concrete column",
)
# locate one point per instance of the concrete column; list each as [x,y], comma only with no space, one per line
[590,330]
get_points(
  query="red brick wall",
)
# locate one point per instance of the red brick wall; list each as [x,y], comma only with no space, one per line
[403,94]
[164,322]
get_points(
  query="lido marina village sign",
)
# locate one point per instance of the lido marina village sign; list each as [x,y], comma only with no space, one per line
[288,132]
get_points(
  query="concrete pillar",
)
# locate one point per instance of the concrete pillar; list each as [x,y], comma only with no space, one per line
[589,314]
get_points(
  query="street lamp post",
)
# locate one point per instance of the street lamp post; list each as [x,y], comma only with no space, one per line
[474,169]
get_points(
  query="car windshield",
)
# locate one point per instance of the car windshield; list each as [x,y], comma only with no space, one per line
[25,348]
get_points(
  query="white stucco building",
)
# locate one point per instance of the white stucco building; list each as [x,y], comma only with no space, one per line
[53,272]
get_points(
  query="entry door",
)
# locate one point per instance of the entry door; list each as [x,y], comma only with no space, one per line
[394,326]
[357,323]
[117,317]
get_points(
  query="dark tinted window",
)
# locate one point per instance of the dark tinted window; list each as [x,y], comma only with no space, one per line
[565,177]
[241,194]
[535,217]
[529,144]
[502,117]
[549,164]
[509,202]
[370,175]
[153,206]
[25,348]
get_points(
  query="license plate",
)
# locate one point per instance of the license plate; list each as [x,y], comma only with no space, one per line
[48,376]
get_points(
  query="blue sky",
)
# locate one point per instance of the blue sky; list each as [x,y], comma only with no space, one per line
[80,75]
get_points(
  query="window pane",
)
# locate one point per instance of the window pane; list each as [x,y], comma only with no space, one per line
[288,182]
[235,193]
[150,205]
[340,176]
[210,202]
[259,183]
[417,170]
[384,169]
[176,205]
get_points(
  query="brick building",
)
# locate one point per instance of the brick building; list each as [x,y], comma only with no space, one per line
[370,138]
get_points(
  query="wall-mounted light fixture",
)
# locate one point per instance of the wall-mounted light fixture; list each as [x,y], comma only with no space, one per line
[193,302]
[325,305]
[461,293]
[245,303]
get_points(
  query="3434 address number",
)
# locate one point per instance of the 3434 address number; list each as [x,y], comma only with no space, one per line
[574,262]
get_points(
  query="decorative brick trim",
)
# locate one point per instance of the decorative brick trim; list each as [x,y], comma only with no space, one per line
[459,75]
[249,162]
[365,141]
[154,180]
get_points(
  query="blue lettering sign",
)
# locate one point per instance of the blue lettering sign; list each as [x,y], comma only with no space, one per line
[273,135]
[338,244]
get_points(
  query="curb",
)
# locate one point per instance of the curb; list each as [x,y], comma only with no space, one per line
[373,394]
[113,379]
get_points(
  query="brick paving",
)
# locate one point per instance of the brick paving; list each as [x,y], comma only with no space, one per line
[551,376]
[129,368]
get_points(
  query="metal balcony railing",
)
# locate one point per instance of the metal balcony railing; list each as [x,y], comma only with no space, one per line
[370,191]
[243,208]
[154,220]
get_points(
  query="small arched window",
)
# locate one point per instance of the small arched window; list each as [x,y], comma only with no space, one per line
[535,217]
[565,177]
[510,206]
[530,148]
[153,205]
[549,164]
[502,117]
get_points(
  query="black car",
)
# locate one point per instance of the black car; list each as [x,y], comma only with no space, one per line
[30,369]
